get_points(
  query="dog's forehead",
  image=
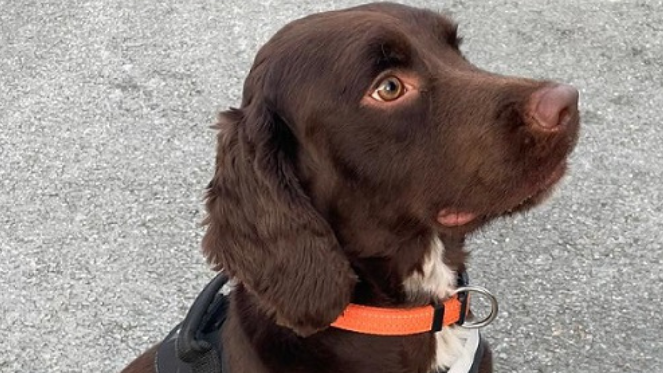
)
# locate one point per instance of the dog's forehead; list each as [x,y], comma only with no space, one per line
[344,50]
[420,18]
[352,36]
[366,23]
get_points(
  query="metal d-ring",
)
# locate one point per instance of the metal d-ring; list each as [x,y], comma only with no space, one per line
[494,307]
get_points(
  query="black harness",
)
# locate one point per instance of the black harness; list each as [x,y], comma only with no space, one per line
[193,346]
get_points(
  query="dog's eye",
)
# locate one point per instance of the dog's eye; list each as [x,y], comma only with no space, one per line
[389,89]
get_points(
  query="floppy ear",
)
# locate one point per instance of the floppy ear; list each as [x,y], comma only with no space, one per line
[262,228]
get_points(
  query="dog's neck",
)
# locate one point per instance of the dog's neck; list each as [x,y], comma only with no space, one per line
[419,269]
[416,275]
[398,262]
[435,279]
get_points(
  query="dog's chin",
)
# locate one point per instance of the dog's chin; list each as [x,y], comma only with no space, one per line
[459,221]
[540,191]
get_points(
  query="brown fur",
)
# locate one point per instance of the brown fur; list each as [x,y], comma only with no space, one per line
[321,198]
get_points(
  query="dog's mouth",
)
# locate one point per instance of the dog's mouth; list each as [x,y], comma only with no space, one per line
[531,195]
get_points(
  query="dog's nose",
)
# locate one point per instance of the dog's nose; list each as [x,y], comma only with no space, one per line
[553,106]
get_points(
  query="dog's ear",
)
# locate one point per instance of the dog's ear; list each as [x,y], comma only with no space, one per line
[263,230]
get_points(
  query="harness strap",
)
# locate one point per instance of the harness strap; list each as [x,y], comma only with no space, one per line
[193,346]
[478,356]
[470,360]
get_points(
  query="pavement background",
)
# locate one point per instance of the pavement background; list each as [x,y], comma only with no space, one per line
[105,151]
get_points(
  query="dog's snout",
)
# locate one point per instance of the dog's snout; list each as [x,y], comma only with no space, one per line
[553,106]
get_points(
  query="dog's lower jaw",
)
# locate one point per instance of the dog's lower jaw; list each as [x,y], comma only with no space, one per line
[437,280]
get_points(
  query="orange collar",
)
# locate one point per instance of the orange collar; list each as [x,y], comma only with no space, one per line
[403,321]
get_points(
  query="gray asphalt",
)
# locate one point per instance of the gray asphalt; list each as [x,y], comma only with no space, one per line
[105,151]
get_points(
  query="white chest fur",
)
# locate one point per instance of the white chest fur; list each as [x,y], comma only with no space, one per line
[438,280]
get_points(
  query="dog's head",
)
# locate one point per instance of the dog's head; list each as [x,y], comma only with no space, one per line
[364,117]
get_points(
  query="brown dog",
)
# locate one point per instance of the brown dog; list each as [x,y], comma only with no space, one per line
[365,149]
